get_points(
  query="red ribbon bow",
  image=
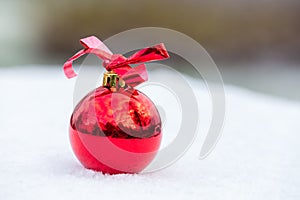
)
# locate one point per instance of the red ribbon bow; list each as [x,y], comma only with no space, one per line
[117,62]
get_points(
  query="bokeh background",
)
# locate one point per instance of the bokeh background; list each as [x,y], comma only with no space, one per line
[255,44]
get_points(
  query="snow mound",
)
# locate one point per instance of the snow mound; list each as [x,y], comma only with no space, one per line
[256,158]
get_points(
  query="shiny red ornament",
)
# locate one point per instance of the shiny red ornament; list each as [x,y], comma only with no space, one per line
[116,128]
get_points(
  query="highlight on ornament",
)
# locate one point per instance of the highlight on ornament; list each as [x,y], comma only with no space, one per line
[116,128]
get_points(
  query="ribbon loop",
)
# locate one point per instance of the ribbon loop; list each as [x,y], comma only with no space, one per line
[157,52]
[117,62]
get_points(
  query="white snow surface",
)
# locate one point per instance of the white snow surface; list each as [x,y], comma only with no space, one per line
[257,157]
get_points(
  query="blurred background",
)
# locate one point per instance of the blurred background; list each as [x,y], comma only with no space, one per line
[255,44]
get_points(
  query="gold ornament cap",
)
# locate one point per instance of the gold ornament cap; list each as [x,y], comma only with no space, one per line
[112,80]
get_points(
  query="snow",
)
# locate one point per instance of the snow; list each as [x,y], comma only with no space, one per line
[258,156]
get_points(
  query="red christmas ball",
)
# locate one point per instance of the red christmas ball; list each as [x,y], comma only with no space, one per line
[115,128]
[115,131]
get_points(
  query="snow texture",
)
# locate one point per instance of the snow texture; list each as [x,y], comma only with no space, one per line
[257,157]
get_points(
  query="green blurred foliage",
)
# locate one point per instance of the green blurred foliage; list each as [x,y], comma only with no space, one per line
[44,32]
[230,30]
